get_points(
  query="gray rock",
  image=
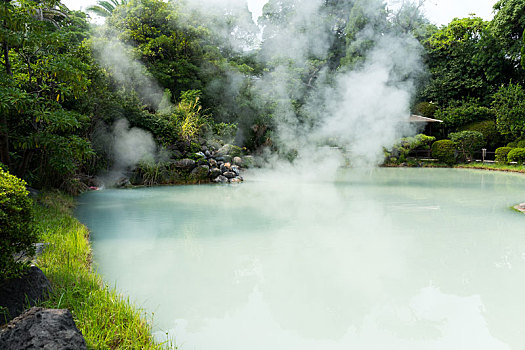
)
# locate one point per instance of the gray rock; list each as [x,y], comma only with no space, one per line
[16,293]
[200,154]
[201,172]
[235,180]
[40,328]
[123,182]
[225,167]
[221,179]
[229,150]
[185,164]
[522,206]
[214,172]
[236,169]
[213,163]
[229,174]
[202,162]
[237,161]
[207,154]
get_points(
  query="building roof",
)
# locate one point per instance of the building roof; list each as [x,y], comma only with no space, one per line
[414,118]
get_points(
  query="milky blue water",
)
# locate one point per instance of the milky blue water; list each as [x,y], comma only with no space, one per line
[383,259]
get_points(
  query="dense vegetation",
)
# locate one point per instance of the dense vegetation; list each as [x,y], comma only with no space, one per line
[182,77]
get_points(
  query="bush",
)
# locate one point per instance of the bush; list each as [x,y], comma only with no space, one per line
[426,109]
[468,142]
[488,129]
[464,112]
[17,234]
[521,144]
[512,144]
[517,155]
[444,151]
[501,154]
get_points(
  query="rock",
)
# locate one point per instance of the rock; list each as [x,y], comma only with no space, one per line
[221,179]
[214,172]
[32,192]
[202,162]
[213,163]
[200,154]
[207,154]
[185,164]
[235,180]
[40,328]
[229,174]
[225,167]
[123,182]
[237,161]
[236,169]
[522,206]
[229,150]
[201,172]
[16,293]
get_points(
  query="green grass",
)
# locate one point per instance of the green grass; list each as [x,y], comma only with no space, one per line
[494,166]
[106,319]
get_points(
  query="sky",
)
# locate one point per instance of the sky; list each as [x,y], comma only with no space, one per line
[439,12]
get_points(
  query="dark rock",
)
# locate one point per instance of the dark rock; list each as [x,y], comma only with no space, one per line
[236,169]
[214,172]
[123,182]
[33,193]
[207,154]
[202,162]
[201,172]
[229,174]
[221,179]
[225,167]
[219,158]
[176,154]
[185,164]
[40,328]
[213,163]
[237,161]
[227,159]
[229,150]
[16,293]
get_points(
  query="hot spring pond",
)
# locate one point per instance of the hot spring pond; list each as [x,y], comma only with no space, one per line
[388,259]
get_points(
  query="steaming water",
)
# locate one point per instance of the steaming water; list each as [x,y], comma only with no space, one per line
[389,259]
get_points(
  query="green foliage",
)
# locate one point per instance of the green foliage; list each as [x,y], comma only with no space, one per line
[464,112]
[17,234]
[444,151]
[488,129]
[426,109]
[468,142]
[508,24]
[512,144]
[516,155]
[521,144]
[501,154]
[509,104]
[466,59]
[105,8]
[407,144]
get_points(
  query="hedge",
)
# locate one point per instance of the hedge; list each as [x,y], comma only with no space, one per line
[444,151]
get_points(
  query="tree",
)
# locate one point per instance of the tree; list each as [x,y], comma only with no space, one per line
[106,8]
[508,25]
[509,104]
[468,142]
[465,60]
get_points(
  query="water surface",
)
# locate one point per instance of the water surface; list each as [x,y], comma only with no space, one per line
[388,259]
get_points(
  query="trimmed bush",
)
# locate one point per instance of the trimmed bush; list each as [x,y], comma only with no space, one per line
[501,154]
[444,151]
[512,144]
[521,144]
[426,109]
[517,155]
[16,225]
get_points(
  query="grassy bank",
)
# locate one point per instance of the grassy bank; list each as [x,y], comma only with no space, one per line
[494,167]
[107,320]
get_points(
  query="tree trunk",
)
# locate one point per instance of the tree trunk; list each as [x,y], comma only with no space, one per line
[4,140]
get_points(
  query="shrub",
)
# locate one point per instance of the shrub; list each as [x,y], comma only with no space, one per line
[464,112]
[407,144]
[444,151]
[17,234]
[512,144]
[488,129]
[501,154]
[468,142]
[426,109]
[521,144]
[517,155]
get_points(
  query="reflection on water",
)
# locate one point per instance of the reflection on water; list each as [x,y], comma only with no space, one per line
[390,259]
